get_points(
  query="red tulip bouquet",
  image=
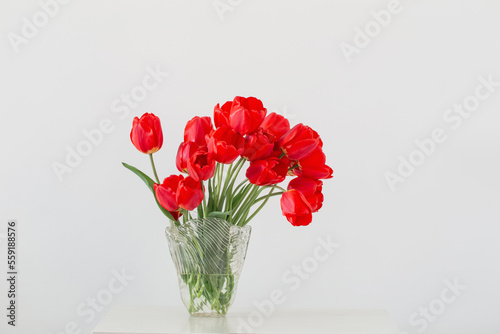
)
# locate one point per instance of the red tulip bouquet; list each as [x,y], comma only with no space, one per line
[211,189]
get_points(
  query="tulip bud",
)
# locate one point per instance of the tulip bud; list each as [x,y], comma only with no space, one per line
[146,134]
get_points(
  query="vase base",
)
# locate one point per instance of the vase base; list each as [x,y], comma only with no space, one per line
[208,315]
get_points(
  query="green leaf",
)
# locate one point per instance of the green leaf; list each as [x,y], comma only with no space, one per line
[150,183]
[218,214]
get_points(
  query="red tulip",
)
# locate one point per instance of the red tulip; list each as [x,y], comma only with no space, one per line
[258,145]
[300,142]
[296,208]
[196,130]
[311,189]
[221,114]
[184,153]
[201,165]
[244,115]
[267,172]
[225,145]
[314,166]
[276,125]
[146,134]
[189,193]
[166,192]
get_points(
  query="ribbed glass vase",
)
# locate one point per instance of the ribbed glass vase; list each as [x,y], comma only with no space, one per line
[208,254]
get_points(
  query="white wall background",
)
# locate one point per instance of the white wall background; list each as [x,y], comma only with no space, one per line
[397,248]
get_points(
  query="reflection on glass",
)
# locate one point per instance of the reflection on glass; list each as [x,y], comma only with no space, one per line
[207,325]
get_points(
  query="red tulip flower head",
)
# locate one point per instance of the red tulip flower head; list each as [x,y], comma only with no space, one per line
[184,153]
[258,145]
[296,208]
[300,142]
[189,194]
[146,134]
[276,125]
[197,129]
[314,166]
[166,193]
[246,114]
[201,165]
[177,192]
[221,114]
[311,189]
[267,172]
[243,115]
[225,145]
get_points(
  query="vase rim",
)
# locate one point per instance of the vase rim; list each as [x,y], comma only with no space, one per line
[194,220]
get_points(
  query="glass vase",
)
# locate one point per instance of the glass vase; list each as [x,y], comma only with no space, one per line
[208,254]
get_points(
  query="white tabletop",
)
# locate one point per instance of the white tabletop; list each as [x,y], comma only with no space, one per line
[170,320]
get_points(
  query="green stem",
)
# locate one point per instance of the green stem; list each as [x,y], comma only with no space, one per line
[278,187]
[240,164]
[200,211]
[241,184]
[241,197]
[226,180]
[154,168]
[267,197]
[204,200]
[231,194]
[210,196]
[228,176]
[243,211]
[229,183]
[219,183]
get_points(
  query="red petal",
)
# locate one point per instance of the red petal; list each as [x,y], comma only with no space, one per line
[189,194]
[296,208]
